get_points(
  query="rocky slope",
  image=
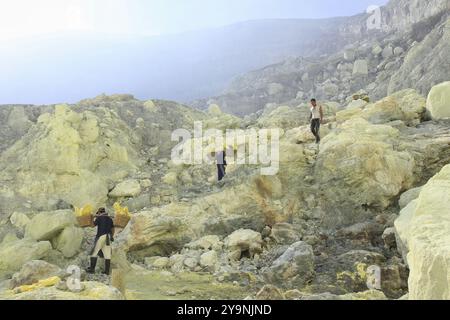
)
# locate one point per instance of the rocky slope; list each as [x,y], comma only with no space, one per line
[321,228]
[410,49]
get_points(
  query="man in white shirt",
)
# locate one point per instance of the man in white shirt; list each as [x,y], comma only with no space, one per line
[316,119]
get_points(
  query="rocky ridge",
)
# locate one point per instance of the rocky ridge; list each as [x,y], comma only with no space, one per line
[319,229]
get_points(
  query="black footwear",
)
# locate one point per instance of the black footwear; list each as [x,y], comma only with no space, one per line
[107,266]
[91,268]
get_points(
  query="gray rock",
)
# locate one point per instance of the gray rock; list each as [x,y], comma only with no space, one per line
[360,68]
[270,292]
[285,233]
[295,267]
[387,52]
[32,272]
[209,259]
[389,238]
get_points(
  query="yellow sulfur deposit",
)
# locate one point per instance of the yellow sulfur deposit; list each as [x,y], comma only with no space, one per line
[121,211]
[84,211]
[40,284]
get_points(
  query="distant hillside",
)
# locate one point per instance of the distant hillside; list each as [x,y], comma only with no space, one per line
[69,67]
[410,50]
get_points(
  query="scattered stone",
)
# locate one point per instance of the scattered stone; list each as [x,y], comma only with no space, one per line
[270,292]
[191,263]
[387,52]
[295,267]
[293,294]
[244,240]
[19,220]
[161,262]
[206,243]
[209,259]
[389,238]
[398,51]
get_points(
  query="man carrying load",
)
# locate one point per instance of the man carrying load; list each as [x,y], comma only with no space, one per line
[103,239]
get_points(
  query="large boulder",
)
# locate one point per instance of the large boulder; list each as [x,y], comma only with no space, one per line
[147,228]
[15,253]
[294,268]
[406,105]
[47,225]
[69,241]
[358,167]
[424,231]
[438,102]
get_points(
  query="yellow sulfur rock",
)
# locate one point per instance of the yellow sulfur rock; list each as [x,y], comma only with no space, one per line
[40,284]
[84,211]
[121,211]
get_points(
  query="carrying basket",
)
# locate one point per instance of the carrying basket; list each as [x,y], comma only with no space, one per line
[85,221]
[121,221]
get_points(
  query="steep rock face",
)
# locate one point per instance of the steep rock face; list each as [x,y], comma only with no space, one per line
[76,154]
[423,229]
[426,63]
[397,15]
[408,49]
[71,156]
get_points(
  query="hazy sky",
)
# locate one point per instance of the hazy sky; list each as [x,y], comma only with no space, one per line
[151,17]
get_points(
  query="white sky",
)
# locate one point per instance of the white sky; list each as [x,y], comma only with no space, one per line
[150,17]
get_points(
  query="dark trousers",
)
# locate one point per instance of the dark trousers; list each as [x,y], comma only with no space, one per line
[221,171]
[315,129]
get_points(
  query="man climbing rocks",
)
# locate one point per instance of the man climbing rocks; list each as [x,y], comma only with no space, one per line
[221,164]
[316,119]
[103,239]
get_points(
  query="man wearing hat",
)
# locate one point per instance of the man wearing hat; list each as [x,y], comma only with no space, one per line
[103,239]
